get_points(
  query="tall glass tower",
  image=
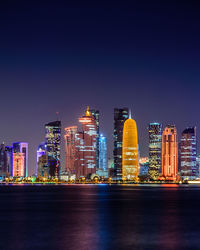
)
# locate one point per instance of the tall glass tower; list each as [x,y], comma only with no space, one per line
[103,162]
[120,116]
[188,154]
[155,147]
[52,141]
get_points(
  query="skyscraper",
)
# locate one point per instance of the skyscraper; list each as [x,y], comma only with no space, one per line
[155,148]
[86,146]
[130,164]
[169,153]
[70,149]
[95,113]
[120,115]
[18,164]
[103,162]
[9,160]
[52,141]
[188,154]
[22,147]
[3,162]
[42,161]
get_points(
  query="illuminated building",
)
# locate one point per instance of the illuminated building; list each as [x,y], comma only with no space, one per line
[155,148]
[103,162]
[103,152]
[22,147]
[144,166]
[52,141]
[188,153]
[130,165]
[18,164]
[95,113]
[3,162]
[9,160]
[70,149]
[120,115]
[169,153]
[42,161]
[86,146]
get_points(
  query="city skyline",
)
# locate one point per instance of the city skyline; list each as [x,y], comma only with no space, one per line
[63,156]
[63,56]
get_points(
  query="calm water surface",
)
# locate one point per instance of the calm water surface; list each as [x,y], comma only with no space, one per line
[99,217]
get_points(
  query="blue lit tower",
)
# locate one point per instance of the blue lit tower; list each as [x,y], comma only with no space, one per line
[188,154]
[120,116]
[22,148]
[155,150]
[102,152]
[9,159]
[52,141]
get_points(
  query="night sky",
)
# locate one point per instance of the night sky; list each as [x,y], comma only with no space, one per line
[60,56]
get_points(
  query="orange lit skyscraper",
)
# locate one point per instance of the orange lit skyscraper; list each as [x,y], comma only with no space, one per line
[130,151]
[86,146]
[169,153]
[70,149]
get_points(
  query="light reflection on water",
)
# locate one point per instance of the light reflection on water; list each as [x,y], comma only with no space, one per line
[99,217]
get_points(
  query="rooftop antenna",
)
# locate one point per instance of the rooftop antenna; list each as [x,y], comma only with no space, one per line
[129,113]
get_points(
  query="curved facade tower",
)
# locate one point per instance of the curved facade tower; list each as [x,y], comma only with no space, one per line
[130,151]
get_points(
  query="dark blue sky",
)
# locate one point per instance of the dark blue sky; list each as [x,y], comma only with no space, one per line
[60,56]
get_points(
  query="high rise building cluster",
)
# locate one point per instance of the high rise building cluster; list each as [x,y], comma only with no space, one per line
[14,160]
[86,154]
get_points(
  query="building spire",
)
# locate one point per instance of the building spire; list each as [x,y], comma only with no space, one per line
[129,114]
[87,112]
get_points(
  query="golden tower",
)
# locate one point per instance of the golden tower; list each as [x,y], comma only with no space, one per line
[130,151]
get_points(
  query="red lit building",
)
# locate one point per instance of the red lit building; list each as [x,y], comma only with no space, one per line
[70,149]
[86,143]
[18,164]
[169,153]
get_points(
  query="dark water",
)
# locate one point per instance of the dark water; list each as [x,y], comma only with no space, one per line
[99,217]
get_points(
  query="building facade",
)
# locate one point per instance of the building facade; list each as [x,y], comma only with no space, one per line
[86,146]
[3,162]
[120,116]
[95,113]
[103,161]
[130,161]
[188,154]
[52,141]
[9,152]
[22,148]
[42,161]
[144,166]
[155,150]
[18,164]
[70,149]
[170,153]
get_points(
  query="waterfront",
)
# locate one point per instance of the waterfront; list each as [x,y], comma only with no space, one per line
[99,216]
